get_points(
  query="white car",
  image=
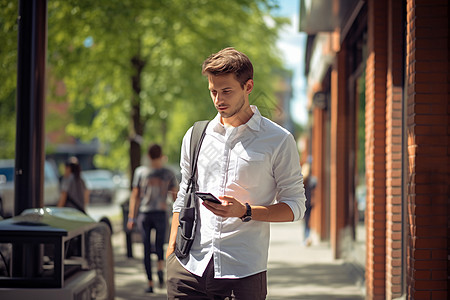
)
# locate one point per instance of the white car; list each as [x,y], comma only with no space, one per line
[51,186]
[100,184]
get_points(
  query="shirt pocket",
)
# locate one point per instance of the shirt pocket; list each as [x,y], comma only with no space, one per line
[249,168]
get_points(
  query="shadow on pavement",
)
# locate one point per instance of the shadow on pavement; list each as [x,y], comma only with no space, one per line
[310,281]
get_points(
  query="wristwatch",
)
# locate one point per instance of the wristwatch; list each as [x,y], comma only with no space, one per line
[248,214]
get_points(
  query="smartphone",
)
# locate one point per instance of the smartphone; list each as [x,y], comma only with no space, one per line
[208,197]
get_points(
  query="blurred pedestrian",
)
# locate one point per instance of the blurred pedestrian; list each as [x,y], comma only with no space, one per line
[148,207]
[310,183]
[73,188]
[248,163]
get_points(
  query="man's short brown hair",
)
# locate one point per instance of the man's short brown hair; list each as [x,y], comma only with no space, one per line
[229,61]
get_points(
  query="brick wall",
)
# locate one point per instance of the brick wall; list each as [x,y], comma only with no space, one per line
[421,188]
[319,218]
[428,148]
[375,149]
[394,133]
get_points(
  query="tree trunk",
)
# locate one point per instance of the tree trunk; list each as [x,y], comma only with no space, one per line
[137,130]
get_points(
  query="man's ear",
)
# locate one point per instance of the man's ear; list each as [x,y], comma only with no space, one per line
[249,86]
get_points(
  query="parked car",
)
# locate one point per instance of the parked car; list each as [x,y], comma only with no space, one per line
[101,185]
[51,186]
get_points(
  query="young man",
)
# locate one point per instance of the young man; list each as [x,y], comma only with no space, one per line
[251,165]
[149,202]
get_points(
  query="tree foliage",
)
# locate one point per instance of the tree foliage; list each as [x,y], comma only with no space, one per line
[8,77]
[132,69]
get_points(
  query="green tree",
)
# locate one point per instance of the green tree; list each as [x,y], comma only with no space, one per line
[8,77]
[131,69]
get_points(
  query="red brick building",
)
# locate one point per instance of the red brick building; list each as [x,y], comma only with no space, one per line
[378,82]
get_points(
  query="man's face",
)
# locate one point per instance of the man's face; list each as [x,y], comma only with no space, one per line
[229,98]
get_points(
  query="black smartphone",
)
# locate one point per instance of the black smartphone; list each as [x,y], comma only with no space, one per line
[208,197]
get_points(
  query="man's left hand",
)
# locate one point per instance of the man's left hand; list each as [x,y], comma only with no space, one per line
[230,207]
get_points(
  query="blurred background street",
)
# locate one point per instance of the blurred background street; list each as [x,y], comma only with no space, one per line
[362,85]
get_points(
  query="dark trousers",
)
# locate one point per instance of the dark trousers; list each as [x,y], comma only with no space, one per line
[146,222]
[181,284]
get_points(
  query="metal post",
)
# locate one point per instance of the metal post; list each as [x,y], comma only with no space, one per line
[29,163]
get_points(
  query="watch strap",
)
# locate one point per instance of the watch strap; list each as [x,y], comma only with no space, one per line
[248,213]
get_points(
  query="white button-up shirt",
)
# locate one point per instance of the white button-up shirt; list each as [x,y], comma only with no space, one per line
[257,163]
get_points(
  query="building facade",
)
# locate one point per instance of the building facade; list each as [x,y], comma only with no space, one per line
[378,85]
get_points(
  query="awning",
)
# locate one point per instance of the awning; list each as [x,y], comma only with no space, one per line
[326,15]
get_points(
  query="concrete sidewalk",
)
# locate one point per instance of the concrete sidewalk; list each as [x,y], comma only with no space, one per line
[294,271]
[299,272]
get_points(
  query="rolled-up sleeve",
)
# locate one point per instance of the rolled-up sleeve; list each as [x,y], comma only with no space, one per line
[289,178]
[185,166]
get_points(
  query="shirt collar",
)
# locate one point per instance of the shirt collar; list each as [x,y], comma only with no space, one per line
[254,123]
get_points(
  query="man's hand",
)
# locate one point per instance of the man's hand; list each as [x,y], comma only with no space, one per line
[130,224]
[169,251]
[230,207]
[173,234]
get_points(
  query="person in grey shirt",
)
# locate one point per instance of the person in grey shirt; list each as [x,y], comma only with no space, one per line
[73,188]
[148,206]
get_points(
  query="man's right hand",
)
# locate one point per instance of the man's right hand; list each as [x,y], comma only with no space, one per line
[169,251]
[173,234]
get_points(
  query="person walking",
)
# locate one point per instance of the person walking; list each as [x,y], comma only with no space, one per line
[148,201]
[310,183]
[251,165]
[74,192]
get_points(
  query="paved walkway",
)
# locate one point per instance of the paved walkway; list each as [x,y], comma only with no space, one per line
[294,271]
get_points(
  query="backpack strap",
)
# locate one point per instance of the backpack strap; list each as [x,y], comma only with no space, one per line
[197,136]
